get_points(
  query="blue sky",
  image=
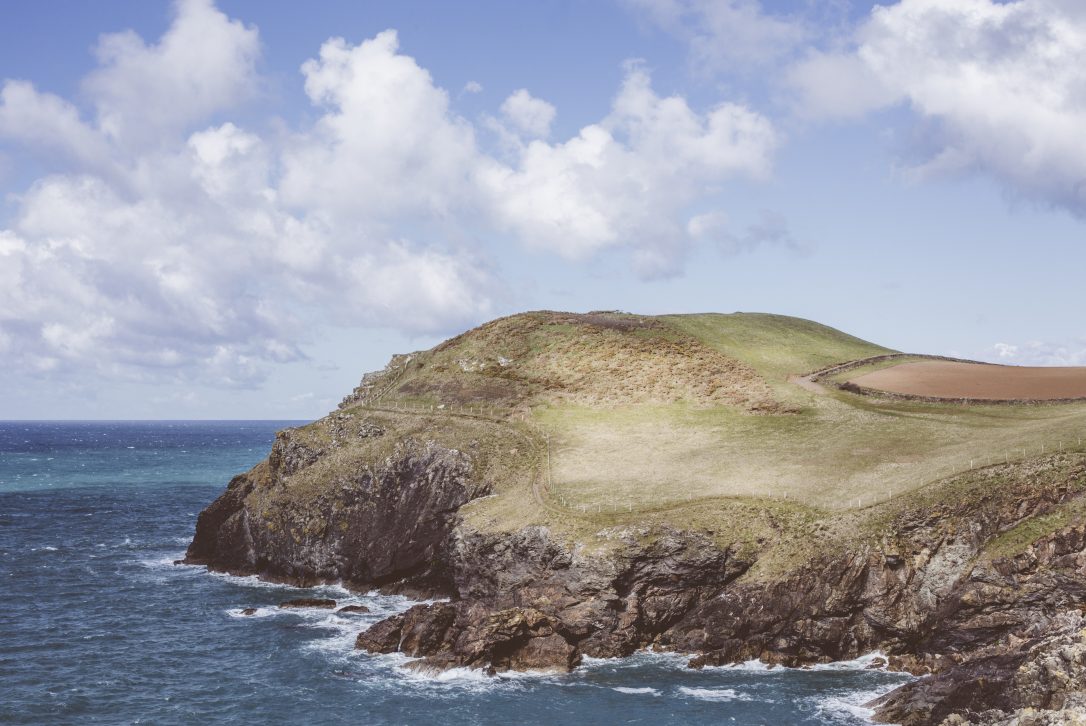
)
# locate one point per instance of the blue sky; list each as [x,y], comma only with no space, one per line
[233,210]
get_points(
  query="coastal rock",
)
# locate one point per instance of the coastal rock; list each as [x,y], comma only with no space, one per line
[383,637]
[996,636]
[355,609]
[1041,680]
[446,635]
[377,527]
[288,455]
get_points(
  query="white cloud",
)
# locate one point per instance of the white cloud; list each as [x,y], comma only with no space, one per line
[387,144]
[473,87]
[627,180]
[530,115]
[1000,84]
[45,120]
[174,244]
[726,35]
[835,85]
[204,63]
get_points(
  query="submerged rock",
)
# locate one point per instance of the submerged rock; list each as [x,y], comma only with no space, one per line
[353,609]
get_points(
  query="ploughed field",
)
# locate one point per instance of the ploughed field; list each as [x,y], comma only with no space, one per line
[949,379]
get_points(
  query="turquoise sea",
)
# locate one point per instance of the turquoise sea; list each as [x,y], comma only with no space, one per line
[98,625]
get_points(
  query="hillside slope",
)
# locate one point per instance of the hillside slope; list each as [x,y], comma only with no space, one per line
[593,484]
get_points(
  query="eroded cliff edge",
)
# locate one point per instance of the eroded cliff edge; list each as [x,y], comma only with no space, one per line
[976,584]
[983,588]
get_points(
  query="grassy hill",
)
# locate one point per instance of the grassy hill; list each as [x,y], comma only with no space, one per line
[777,346]
[583,421]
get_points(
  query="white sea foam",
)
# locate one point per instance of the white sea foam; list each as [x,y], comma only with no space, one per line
[260,613]
[714,694]
[166,562]
[46,548]
[850,705]
[750,665]
[249,581]
[864,662]
[644,691]
[639,658]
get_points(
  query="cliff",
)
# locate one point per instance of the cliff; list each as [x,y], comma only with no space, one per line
[441,477]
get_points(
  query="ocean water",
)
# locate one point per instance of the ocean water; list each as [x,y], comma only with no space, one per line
[98,626]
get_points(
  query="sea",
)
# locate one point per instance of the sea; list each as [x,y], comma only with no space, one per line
[97,625]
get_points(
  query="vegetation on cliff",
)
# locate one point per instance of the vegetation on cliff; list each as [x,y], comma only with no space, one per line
[593,484]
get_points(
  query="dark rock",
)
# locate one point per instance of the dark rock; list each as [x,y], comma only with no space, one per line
[382,637]
[249,611]
[990,636]
[288,455]
[376,528]
[369,430]
[309,602]
[353,609]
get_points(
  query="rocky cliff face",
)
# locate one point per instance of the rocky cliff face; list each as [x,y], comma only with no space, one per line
[997,631]
[370,527]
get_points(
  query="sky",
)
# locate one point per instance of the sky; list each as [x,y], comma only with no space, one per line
[234,209]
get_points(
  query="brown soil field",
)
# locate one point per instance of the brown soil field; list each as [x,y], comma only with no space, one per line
[945,379]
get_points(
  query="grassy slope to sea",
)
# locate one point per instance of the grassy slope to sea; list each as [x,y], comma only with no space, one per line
[586,422]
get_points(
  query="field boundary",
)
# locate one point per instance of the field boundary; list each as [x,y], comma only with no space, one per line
[821,373]
[816,378]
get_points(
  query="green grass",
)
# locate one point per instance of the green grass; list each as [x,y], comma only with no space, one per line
[1017,539]
[839,450]
[777,346]
[637,439]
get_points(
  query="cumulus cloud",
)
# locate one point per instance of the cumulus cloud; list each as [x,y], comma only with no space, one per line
[387,143]
[626,181]
[999,85]
[530,115]
[173,243]
[204,63]
[181,261]
[45,120]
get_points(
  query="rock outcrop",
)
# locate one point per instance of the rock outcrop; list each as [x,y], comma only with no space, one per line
[996,638]
[372,528]
[978,587]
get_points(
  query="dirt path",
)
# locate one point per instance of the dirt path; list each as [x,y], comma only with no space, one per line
[807,384]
